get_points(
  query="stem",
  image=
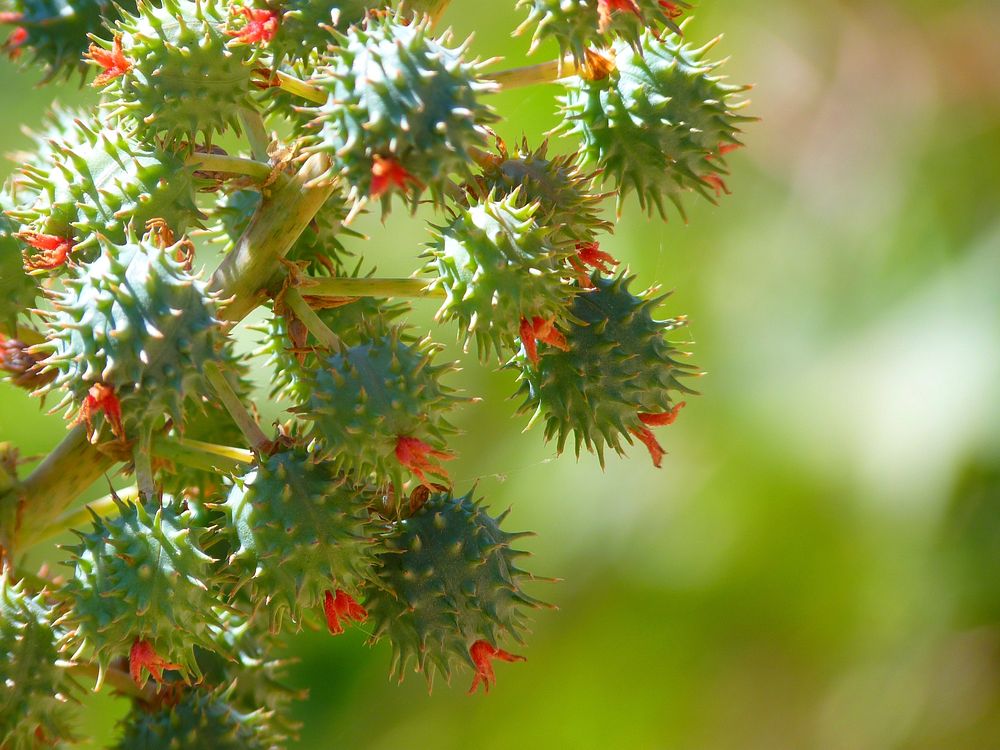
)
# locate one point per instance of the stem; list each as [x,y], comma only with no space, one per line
[142,458]
[297,86]
[242,278]
[199,455]
[257,135]
[320,330]
[75,519]
[230,165]
[545,72]
[244,420]
[352,287]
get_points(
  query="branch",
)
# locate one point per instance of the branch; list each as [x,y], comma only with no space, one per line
[368,287]
[259,170]
[546,72]
[320,330]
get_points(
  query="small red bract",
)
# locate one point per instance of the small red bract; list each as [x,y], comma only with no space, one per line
[415,455]
[53,250]
[388,173]
[717,184]
[646,435]
[671,10]
[143,656]
[589,254]
[113,61]
[539,329]
[260,27]
[482,654]
[606,7]
[15,41]
[102,398]
[342,606]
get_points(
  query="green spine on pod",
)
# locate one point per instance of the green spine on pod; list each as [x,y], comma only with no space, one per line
[319,246]
[141,575]
[137,322]
[447,578]
[35,692]
[180,76]
[566,205]
[18,290]
[300,531]
[198,719]
[616,365]
[352,321]
[579,25]
[412,123]
[99,182]
[658,124]
[57,32]
[365,399]
[498,267]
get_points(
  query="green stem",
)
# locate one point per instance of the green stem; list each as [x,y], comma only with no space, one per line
[320,330]
[352,287]
[296,86]
[242,278]
[80,517]
[142,459]
[257,135]
[546,72]
[206,456]
[258,170]
[244,420]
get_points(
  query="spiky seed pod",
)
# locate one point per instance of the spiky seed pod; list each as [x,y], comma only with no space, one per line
[319,245]
[369,401]
[90,181]
[497,268]
[18,290]
[199,720]
[140,575]
[412,123]
[57,32]
[179,76]
[447,579]
[300,530]
[566,204]
[658,124]
[579,25]
[353,321]
[616,365]
[137,322]
[35,693]
[257,678]
[302,31]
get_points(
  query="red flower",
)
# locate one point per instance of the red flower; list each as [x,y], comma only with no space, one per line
[113,61]
[260,28]
[15,41]
[142,655]
[606,7]
[54,250]
[415,455]
[102,398]
[388,173]
[482,653]
[717,184]
[342,606]
[590,254]
[539,329]
[646,435]
[671,10]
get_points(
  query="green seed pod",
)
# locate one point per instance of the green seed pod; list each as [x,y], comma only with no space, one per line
[412,123]
[497,268]
[579,25]
[319,246]
[199,719]
[141,576]
[93,182]
[446,580]
[616,365]
[56,33]
[658,124]
[300,531]
[35,693]
[302,32]
[566,205]
[179,76]
[291,369]
[377,408]
[18,290]
[137,322]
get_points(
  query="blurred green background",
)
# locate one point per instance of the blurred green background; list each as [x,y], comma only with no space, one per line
[816,565]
